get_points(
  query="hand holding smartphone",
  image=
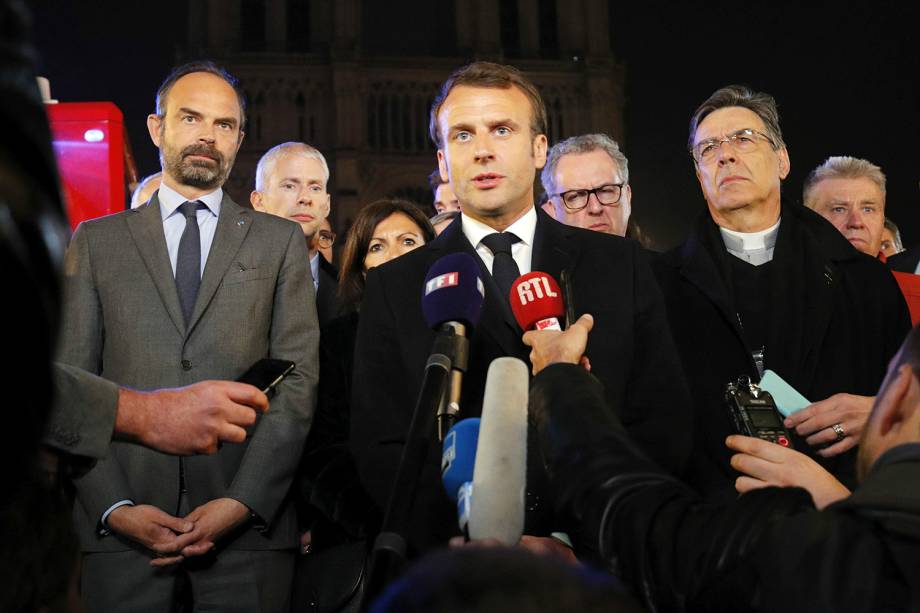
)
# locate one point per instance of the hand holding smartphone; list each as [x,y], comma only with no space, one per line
[267,373]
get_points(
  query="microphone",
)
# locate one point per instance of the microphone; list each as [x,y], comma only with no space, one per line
[500,469]
[536,302]
[452,303]
[457,466]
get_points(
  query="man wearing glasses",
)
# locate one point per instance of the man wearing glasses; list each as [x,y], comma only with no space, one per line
[587,180]
[763,285]
[291,182]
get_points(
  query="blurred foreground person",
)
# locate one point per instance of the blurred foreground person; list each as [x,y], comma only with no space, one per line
[770,550]
[500,580]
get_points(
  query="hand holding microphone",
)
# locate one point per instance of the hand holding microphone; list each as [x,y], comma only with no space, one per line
[552,347]
[537,303]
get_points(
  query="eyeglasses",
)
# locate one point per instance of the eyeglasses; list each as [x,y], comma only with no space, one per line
[325,239]
[743,141]
[577,199]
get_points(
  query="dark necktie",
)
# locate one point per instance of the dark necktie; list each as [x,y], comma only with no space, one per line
[188,263]
[504,269]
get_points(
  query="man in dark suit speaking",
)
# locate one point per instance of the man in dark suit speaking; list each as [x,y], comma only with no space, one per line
[191,287]
[489,125]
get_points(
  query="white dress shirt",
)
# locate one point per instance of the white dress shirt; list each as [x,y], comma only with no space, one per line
[174,221]
[522,251]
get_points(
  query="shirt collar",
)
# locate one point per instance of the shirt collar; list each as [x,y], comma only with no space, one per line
[170,200]
[750,241]
[524,228]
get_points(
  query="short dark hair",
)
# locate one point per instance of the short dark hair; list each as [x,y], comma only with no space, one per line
[499,579]
[489,74]
[351,276]
[200,66]
[435,181]
[761,104]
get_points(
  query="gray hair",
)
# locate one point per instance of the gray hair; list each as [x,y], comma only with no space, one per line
[761,104]
[444,216]
[584,143]
[267,163]
[145,189]
[842,167]
[895,234]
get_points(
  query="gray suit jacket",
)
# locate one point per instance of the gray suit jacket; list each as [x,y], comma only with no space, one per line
[122,321]
[82,418]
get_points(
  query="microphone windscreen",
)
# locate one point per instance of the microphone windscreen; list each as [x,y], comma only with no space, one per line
[459,454]
[453,291]
[535,297]
[500,471]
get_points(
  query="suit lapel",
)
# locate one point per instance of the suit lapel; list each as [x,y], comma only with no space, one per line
[698,267]
[554,250]
[146,227]
[232,227]
[802,287]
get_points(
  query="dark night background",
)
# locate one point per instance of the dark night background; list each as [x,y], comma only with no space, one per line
[844,74]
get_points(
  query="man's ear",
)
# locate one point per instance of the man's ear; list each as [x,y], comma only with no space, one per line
[154,125]
[255,199]
[442,167]
[539,151]
[784,164]
[896,404]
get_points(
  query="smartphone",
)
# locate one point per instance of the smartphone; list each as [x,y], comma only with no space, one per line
[267,373]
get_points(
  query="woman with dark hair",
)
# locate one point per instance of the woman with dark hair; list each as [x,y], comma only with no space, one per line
[382,231]
[339,516]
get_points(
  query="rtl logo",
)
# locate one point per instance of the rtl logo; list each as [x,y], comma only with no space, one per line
[535,288]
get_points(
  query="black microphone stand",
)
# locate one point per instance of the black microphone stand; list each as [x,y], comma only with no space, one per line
[388,558]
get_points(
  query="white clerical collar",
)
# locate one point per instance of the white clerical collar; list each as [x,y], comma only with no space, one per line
[170,200]
[750,241]
[524,228]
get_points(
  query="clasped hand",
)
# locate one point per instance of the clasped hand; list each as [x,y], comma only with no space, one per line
[172,538]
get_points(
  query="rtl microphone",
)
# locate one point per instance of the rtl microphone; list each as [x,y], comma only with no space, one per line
[452,303]
[500,468]
[457,462]
[536,301]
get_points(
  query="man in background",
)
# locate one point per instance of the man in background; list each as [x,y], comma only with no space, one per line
[587,180]
[849,193]
[292,182]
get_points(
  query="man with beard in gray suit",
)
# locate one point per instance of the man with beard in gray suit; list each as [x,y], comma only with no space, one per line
[186,288]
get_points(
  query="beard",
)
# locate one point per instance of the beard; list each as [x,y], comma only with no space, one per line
[194,172]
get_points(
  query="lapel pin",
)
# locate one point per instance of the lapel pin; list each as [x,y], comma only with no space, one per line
[241,223]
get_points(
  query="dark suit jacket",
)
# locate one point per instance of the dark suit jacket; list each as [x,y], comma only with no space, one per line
[122,320]
[630,350]
[328,305]
[906,261]
[837,318]
[768,550]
